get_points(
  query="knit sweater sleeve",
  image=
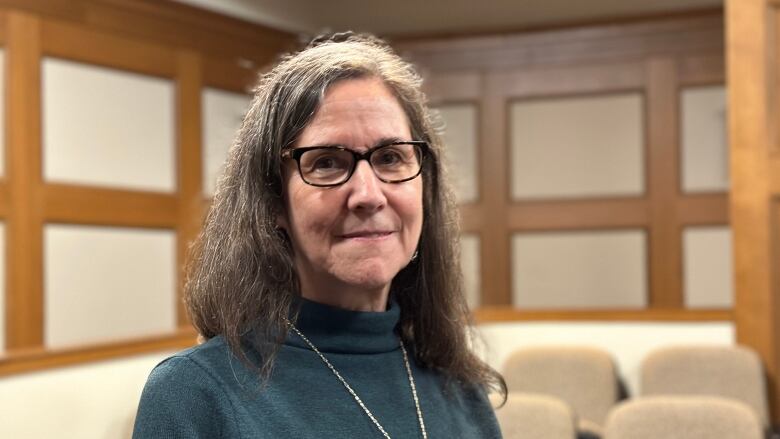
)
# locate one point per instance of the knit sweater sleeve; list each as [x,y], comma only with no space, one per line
[182,400]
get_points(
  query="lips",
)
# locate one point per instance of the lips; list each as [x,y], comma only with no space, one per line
[367,234]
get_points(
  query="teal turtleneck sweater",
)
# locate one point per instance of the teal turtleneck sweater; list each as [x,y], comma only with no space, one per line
[206,392]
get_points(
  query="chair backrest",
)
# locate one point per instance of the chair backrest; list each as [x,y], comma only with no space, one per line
[586,378]
[679,417]
[726,371]
[531,416]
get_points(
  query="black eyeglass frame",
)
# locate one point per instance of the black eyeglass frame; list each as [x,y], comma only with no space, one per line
[296,154]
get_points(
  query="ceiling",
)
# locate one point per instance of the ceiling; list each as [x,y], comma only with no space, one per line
[431,17]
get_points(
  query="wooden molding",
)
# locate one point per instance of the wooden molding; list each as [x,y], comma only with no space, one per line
[751,59]
[228,74]
[4,200]
[31,360]
[24,251]
[774,174]
[495,250]
[686,33]
[190,164]
[579,214]
[663,158]
[166,22]
[569,80]
[508,314]
[110,207]
[700,70]
[703,209]
[65,40]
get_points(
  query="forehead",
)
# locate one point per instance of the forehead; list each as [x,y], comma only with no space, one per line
[356,113]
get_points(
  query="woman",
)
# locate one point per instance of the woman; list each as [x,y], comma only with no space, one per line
[326,278]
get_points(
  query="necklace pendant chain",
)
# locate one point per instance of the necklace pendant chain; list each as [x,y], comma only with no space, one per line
[355,395]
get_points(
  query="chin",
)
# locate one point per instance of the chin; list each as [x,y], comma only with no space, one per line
[370,275]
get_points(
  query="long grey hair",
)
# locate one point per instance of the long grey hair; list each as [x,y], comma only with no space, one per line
[241,277]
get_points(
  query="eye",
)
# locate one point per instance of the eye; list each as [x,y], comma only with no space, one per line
[325,161]
[388,157]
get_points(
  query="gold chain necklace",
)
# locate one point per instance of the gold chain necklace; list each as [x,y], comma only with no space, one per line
[355,395]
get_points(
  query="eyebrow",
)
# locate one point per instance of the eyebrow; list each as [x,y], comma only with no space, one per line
[384,141]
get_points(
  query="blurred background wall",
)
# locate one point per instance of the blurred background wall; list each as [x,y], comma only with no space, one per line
[587,141]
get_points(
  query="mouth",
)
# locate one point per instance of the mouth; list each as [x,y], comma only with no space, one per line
[367,235]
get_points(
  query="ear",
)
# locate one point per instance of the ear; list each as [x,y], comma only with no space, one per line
[282,222]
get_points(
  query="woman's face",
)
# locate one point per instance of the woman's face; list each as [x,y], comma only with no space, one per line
[353,238]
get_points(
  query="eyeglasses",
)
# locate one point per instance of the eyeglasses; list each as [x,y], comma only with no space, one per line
[326,166]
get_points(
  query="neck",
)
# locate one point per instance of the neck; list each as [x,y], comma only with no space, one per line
[347,297]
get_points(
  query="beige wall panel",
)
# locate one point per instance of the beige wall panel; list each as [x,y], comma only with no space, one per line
[103,284]
[106,127]
[460,141]
[708,267]
[223,112]
[97,400]
[2,287]
[577,147]
[705,161]
[2,112]
[599,269]
[469,261]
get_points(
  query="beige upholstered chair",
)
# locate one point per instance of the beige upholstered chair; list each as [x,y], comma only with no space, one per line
[531,416]
[586,378]
[679,417]
[725,371]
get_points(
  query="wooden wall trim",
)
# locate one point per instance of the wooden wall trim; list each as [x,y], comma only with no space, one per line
[703,209]
[190,164]
[3,28]
[168,22]
[507,314]
[751,59]
[663,162]
[228,75]
[32,360]
[700,70]
[774,173]
[110,207]
[570,80]
[580,214]
[4,200]
[690,33]
[454,87]
[69,41]
[495,250]
[24,258]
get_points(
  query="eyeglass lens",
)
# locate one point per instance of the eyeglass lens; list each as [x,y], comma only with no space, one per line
[332,165]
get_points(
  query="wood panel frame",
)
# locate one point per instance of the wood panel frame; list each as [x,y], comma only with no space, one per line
[34,30]
[656,58]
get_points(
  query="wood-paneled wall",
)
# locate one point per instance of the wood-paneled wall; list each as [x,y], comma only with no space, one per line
[190,47]
[657,59]
[753,71]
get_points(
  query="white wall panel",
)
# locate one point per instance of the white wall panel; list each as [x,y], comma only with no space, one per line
[103,284]
[469,261]
[629,342]
[97,401]
[577,147]
[460,141]
[222,113]
[598,269]
[705,161]
[2,287]
[106,127]
[708,269]
[2,111]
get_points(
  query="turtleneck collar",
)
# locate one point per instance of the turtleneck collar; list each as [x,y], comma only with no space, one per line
[337,330]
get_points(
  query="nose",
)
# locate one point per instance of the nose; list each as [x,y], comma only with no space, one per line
[366,191]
